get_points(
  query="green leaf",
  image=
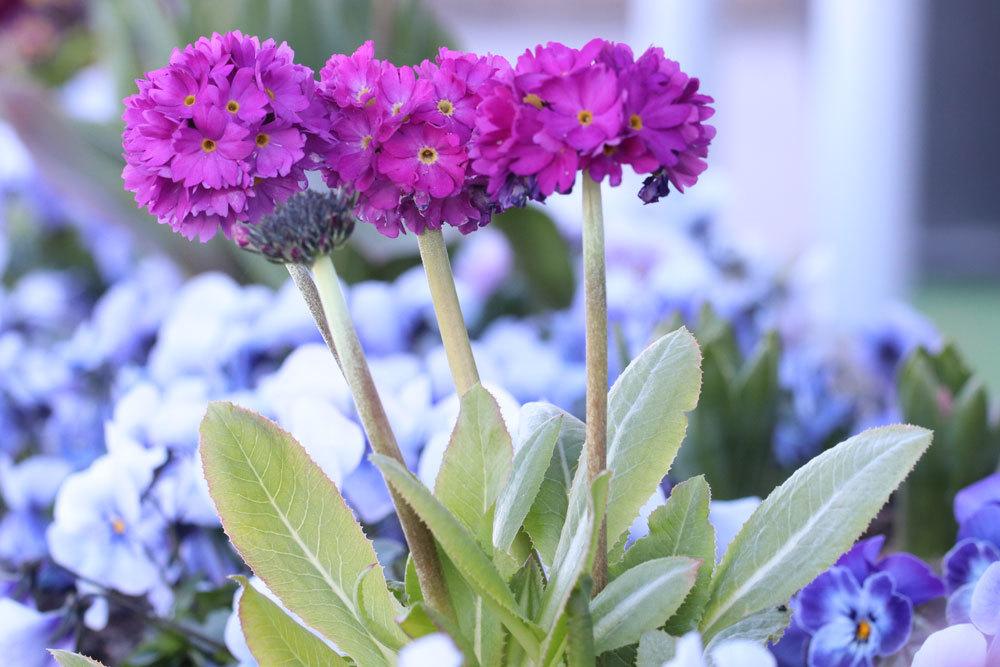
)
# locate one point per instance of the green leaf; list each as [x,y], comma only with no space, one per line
[292,527]
[547,515]
[275,638]
[361,590]
[640,600]
[809,521]
[67,659]
[416,622]
[530,464]
[462,550]
[566,571]
[646,422]
[476,464]
[580,626]
[762,627]
[680,528]
[655,648]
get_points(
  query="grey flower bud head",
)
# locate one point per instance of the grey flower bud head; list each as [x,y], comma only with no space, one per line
[308,225]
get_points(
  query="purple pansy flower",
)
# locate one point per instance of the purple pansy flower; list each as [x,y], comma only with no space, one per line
[968,644]
[964,565]
[852,623]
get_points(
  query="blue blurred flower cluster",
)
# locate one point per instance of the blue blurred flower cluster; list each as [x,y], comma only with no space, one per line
[107,363]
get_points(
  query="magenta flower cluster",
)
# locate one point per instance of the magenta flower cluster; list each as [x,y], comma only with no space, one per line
[402,137]
[221,135]
[230,127]
[593,109]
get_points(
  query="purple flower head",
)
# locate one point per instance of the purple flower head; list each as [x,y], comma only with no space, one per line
[221,134]
[852,622]
[401,139]
[977,510]
[913,578]
[596,108]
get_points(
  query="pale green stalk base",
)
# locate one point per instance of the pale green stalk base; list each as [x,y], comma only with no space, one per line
[454,335]
[596,315]
[376,425]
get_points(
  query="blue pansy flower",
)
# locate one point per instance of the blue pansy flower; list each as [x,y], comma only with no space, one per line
[852,622]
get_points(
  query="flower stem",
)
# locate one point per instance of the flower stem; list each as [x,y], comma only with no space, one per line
[596,316]
[304,282]
[454,335]
[376,425]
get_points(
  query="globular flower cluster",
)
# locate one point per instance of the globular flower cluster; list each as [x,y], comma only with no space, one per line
[221,134]
[401,138]
[594,109]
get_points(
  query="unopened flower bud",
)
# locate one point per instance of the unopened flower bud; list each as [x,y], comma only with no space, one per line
[307,226]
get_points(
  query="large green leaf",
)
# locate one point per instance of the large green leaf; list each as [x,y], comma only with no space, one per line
[680,528]
[476,464]
[275,638]
[292,527]
[530,465]
[544,521]
[580,650]
[646,422]
[462,550]
[810,520]
[68,659]
[640,600]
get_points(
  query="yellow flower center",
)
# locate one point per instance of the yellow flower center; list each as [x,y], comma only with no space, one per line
[585,117]
[533,100]
[232,106]
[609,150]
[189,101]
[118,526]
[427,155]
[207,145]
[262,140]
[366,141]
[635,122]
[396,107]
[863,631]
[446,107]
[257,180]
[269,93]
[362,91]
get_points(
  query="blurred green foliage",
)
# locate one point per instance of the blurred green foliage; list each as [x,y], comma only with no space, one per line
[730,434]
[940,392]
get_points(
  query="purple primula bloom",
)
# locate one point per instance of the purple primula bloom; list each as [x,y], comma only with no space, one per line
[25,634]
[405,150]
[852,623]
[595,109]
[222,134]
[977,510]
[913,578]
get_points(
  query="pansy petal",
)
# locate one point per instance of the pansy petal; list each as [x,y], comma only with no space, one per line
[985,608]
[972,498]
[956,646]
[834,646]
[913,577]
[830,597]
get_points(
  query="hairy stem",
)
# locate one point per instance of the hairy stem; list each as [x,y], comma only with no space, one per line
[304,282]
[376,425]
[596,315]
[454,335]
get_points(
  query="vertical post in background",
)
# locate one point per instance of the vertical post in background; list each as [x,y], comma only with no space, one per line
[865,67]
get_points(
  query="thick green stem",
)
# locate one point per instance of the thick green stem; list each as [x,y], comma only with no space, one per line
[376,425]
[454,334]
[596,315]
